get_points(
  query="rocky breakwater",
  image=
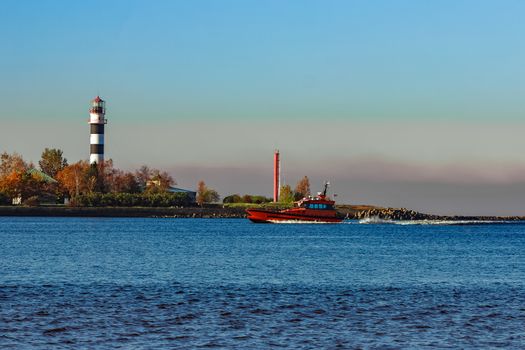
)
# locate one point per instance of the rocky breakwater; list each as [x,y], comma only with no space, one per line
[404,214]
[394,214]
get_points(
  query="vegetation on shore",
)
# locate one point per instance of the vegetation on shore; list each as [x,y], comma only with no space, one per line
[206,211]
[84,184]
[161,199]
[206,194]
[268,205]
[103,185]
[286,197]
[81,184]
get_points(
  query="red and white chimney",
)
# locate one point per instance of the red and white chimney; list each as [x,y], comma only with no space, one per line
[276,175]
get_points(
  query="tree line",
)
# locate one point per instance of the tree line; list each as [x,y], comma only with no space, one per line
[85,184]
[286,195]
[302,189]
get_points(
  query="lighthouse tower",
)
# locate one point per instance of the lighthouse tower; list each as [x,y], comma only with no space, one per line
[97,120]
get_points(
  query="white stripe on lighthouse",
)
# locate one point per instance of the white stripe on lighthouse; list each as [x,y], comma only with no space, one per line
[95,118]
[96,139]
[96,158]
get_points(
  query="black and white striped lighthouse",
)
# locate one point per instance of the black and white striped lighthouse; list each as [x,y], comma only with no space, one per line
[97,120]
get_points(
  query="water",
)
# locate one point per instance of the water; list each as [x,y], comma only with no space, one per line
[169,283]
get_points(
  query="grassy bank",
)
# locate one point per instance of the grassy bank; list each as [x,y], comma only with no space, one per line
[269,206]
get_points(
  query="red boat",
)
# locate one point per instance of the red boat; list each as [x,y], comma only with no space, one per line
[320,209]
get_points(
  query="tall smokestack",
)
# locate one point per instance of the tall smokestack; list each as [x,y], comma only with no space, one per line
[276,175]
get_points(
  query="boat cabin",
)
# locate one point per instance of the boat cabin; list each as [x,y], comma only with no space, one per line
[316,206]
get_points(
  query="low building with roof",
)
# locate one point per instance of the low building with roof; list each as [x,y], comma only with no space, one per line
[192,195]
[45,197]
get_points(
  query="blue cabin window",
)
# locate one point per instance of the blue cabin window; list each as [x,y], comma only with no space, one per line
[320,206]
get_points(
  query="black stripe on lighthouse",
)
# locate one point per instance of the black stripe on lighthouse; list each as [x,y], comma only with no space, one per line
[97,149]
[97,129]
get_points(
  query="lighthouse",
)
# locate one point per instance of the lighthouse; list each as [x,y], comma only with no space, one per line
[97,120]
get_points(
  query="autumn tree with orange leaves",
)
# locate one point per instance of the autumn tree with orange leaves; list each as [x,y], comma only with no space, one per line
[74,178]
[21,184]
[205,194]
[10,163]
[302,189]
[12,175]
[81,179]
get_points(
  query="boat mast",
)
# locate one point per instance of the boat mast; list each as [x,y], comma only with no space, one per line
[326,184]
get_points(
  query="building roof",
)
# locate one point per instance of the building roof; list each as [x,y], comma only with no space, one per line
[42,175]
[179,190]
[98,99]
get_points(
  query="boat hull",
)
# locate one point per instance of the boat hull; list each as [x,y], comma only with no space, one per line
[268,216]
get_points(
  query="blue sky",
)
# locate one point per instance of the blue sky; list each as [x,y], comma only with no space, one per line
[267,59]
[216,69]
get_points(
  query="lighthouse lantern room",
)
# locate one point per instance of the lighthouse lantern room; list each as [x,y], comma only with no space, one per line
[97,120]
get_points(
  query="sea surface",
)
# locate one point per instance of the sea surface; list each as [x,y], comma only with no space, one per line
[98,283]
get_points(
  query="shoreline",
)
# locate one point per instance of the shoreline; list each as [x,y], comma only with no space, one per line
[124,212]
[219,212]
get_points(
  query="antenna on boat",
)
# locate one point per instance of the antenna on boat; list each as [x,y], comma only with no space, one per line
[326,184]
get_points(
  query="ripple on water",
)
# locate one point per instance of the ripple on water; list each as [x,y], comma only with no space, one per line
[258,318]
[184,284]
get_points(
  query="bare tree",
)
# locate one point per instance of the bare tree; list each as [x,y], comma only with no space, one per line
[302,189]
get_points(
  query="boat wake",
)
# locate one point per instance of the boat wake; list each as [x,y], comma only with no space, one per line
[377,220]
[298,222]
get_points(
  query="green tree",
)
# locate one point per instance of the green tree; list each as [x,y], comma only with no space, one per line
[286,194]
[52,161]
[234,198]
[260,199]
